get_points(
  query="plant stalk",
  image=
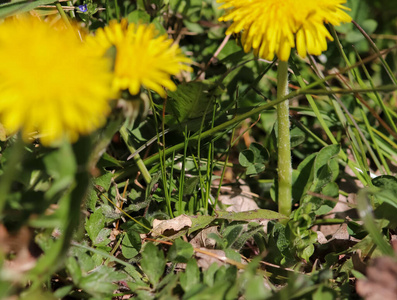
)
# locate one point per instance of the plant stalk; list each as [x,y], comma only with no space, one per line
[283,143]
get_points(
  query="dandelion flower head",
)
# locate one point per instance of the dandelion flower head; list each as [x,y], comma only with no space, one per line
[274,27]
[143,58]
[50,82]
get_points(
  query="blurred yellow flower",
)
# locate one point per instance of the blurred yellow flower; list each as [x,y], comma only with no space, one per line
[275,26]
[143,58]
[50,82]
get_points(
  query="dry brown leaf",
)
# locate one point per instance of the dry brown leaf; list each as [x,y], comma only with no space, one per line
[204,261]
[202,240]
[239,198]
[170,226]
[21,245]
[381,282]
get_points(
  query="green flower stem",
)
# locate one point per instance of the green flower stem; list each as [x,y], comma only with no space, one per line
[145,173]
[283,143]
[63,15]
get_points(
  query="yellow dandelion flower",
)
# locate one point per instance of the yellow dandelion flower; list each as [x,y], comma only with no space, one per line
[143,57]
[50,82]
[274,27]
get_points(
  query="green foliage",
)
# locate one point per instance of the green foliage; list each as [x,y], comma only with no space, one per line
[90,222]
[254,159]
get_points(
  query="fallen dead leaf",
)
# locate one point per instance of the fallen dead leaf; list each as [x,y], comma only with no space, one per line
[202,240]
[205,261]
[239,198]
[19,244]
[381,282]
[169,227]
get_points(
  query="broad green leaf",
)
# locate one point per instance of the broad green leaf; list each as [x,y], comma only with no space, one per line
[85,259]
[297,137]
[102,239]
[180,251]
[167,286]
[209,274]
[104,181]
[324,171]
[61,166]
[95,223]
[134,226]
[302,176]
[233,254]
[131,244]
[231,233]
[153,263]
[324,293]
[107,161]
[74,269]
[330,190]
[101,282]
[138,16]
[254,159]
[190,101]
[199,222]
[253,228]
[323,157]
[387,189]
[255,289]
[191,276]
[217,291]
[250,215]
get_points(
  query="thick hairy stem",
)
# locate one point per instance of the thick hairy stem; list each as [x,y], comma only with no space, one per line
[283,143]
